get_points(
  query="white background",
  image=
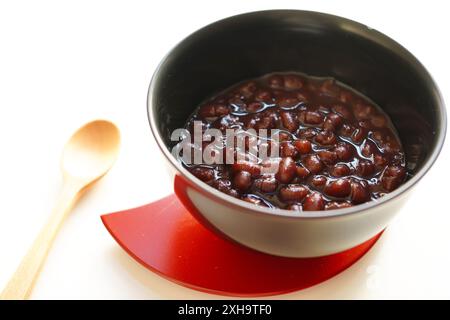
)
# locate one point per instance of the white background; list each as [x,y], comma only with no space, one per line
[63,63]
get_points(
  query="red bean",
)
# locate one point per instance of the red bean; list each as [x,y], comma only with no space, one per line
[263,96]
[223,185]
[204,174]
[284,136]
[270,164]
[313,117]
[307,133]
[303,146]
[346,96]
[302,172]
[232,192]
[289,121]
[368,149]
[366,124]
[378,136]
[339,188]
[358,135]
[265,123]
[225,122]
[254,106]
[312,163]
[391,147]
[276,81]
[242,180]
[363,111]
[287,102]
[287,149]
[266,184]
[253,168]
[249,121]
[221,110]
[247,89]
[359,192]
[314,202]
[343,111]
[319,181]
[293,192]
[293,82]
[326,138]
[303,96]
[286,170]
[344,151]
[333,121]
[330,88]
[340,170]
[380,161]
[346,130]
[365,168]
[327,157]
[271,113]
[213,110]
[236,101]
[392,177]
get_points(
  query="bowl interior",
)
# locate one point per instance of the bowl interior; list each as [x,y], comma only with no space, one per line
[251,45]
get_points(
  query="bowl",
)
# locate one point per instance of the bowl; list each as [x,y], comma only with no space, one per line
[253,44]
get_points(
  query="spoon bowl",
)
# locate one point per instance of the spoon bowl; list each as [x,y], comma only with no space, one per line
[91,151]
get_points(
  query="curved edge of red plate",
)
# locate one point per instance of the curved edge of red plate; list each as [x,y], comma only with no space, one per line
[165,238]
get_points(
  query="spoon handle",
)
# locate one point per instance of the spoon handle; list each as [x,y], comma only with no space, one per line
[21,284]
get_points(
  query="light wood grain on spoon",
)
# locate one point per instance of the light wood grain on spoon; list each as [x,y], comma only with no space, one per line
[87,157]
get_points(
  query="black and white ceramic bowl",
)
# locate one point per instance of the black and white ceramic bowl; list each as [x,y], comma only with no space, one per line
[250,45]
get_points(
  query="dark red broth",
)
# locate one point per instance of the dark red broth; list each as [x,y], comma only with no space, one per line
[337,148]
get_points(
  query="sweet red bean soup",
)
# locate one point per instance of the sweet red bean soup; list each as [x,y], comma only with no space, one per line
[336,148]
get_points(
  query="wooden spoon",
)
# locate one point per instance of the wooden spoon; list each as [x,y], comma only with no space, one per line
[87,156]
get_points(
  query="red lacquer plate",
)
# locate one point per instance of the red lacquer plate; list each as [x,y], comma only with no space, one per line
[165,238]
